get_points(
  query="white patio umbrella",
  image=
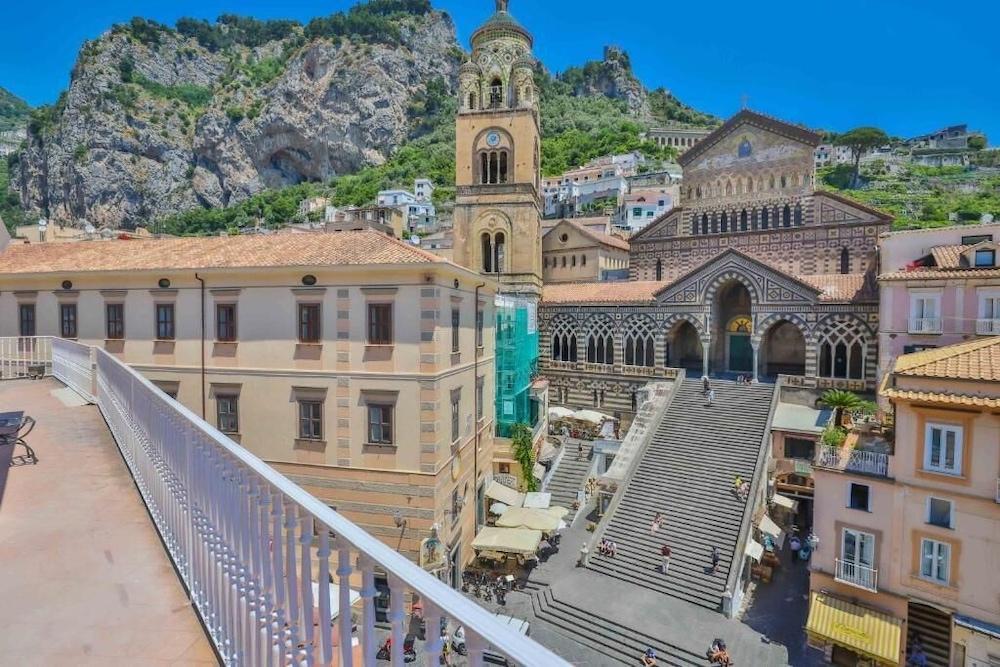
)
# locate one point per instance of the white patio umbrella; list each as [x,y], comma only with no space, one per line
[498,508]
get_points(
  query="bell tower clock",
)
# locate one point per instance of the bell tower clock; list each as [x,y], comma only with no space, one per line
[497,227]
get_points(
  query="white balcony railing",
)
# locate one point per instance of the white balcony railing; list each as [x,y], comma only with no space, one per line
[73,366]
[22,357]
[251,546]
[925,325]
[988,327]
[857,575]
[853,460]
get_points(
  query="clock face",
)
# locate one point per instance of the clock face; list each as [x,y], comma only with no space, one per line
[493,139]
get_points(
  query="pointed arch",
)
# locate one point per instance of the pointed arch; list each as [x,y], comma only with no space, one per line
[639,341]
[562,338]
[600,340]
[844,344]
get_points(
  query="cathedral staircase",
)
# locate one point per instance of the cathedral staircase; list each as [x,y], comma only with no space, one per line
[570,474]
[687,474]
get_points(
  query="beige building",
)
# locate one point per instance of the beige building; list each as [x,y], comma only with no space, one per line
[910,531]
[681,137]
[356,364]
[572,252]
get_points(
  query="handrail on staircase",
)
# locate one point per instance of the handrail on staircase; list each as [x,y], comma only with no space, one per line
[760,475]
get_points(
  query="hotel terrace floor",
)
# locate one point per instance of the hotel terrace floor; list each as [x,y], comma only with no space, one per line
[84,579]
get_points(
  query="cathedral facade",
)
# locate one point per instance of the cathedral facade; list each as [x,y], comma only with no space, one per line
[756,273]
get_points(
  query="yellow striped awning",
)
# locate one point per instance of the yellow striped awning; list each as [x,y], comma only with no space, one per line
[865,631]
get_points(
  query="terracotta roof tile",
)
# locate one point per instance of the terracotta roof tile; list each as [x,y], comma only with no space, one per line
[227,252]
[632,292]
[977,360]
[930,273]
[948,256]
[941,397]
[836,286]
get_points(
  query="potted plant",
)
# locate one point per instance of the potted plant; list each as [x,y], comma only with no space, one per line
[841,402]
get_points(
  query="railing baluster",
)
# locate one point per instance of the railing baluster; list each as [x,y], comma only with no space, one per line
[325,626]
[277,507]
[476,646]
[308,612]
[291,581]
[432,647]
[344,607]
[397,615]
[368,593]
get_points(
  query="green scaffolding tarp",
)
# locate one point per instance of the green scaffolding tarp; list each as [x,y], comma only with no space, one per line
[516,362]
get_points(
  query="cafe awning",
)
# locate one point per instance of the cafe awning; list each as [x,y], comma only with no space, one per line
[538,472]
[862,630]
[504,494]
[560,413]
[769,527]
[754,549]
[548,453]
[784,501]
[520,541]
[537,500]
[521,517]
[591,416]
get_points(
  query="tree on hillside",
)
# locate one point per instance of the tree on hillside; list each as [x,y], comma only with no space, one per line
[861,140]
[977,142]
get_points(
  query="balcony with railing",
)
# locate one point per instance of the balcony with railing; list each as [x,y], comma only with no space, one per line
[925,325]
[988,327]
[856,574]
[849,459]
[260,559]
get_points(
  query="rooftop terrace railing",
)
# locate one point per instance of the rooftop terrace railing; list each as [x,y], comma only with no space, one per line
[22,356]
[254,549]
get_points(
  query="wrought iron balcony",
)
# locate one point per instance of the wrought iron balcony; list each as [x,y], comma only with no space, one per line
[925,325]
[846,459]
[988,327]
[855,574]
[254,549]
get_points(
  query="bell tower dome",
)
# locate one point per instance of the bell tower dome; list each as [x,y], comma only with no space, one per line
[497,226]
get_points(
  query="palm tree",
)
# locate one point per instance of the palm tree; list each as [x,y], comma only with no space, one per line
[840,401]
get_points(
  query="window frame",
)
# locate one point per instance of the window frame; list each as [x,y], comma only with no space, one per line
[221,334]
[480,398]
[307,422]
[114,328]
[937,546]
[859,535]
[850,496]
[480,326]
[27,326]
[166,327]
[958,456]
[379,332]
[456,329]
[456,415]
[951,512]
[991,252]
[386,413]
[988,294]
[69,327]
[232,399]
[309,327]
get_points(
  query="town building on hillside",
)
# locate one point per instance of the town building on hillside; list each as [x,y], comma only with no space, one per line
[828,155]
[416,207]
[598,224]
[755,273]
[642,205]
[358,365]
[952,137]
[938,287]
[389,220]
[603,180]
[681,137]
[909,526]
[573,253]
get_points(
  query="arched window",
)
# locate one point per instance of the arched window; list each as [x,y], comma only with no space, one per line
[704,223]
[784,182]
[729,187]
[639,342]
[472,101]
[659,270]
[724,223]
[694,225]
[798,215]
[749,185]
[499,251]
[772,182]
[583,260]
[600,342]
[764,214]
[487,253]
[493,167]
[744,221]
[845,261]
[563,339]
[496,94]
[787,216]
[842,351]
[573,260]
[698,191]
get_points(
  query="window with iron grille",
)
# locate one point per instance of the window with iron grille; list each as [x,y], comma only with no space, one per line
[225,322]
[380,424]
[380,324]
[456,321]
[310,420]
[67,320]
[227,413]
[310,328]
[165,321]
[115,315]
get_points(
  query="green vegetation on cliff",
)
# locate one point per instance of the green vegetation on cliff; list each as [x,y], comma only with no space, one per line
[13,110]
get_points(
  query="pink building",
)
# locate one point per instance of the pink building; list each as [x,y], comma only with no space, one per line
[938,287]
[909,522]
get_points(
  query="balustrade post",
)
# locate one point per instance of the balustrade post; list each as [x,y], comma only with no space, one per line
[325,631]
[344,612]
[476,645]
[291,580]
[308,609]
[432,623]
[368,593]
[397,615]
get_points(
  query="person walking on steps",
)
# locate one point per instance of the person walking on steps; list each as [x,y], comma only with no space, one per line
[711,398]
[665,554]
[706,385]
[716,557]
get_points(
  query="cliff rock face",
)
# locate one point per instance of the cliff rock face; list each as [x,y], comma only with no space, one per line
[154,125]
[611,77]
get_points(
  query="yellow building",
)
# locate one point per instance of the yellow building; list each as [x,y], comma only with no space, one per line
[356,364]
[572,252]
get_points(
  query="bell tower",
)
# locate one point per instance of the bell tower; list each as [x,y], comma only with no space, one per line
[497,228]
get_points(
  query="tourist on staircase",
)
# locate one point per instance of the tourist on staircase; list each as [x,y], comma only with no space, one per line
[665,553]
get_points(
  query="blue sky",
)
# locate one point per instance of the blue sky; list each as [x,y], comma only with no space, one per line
[908,66]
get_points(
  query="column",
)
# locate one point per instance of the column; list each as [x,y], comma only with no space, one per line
[706,347]
[755,346]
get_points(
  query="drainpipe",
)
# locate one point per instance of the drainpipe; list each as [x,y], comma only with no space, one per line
[475,399]
[203,398]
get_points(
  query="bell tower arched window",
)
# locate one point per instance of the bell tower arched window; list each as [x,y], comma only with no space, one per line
[487,253]
[787,216]
[659,270]
[472,101]
[845,261]
[496,94]
[494,167]
[499,249]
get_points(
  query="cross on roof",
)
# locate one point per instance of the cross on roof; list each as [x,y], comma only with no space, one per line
[502,5]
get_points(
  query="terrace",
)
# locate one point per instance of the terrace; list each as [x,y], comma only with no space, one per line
[237,566]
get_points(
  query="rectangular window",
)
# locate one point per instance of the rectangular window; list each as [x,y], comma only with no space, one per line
[986,258]
[115,315]
[859,497]
[380,324]
[165,321]
[456,324]
[800,448]
[925,312]
[225,322]
[310,328]
[227,413]
[310,420]
[480,325]
[26,319]
[975,239]
[935,560]
[380,424]
[858,549]
[456,405]
[943,449]
[637,212]
[67,320]
[939,512]
[480,385]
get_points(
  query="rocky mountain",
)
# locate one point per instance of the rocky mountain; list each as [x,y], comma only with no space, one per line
[158,119]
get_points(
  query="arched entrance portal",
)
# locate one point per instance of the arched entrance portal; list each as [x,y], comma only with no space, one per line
[684,347]
[784,350]
[731,349]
